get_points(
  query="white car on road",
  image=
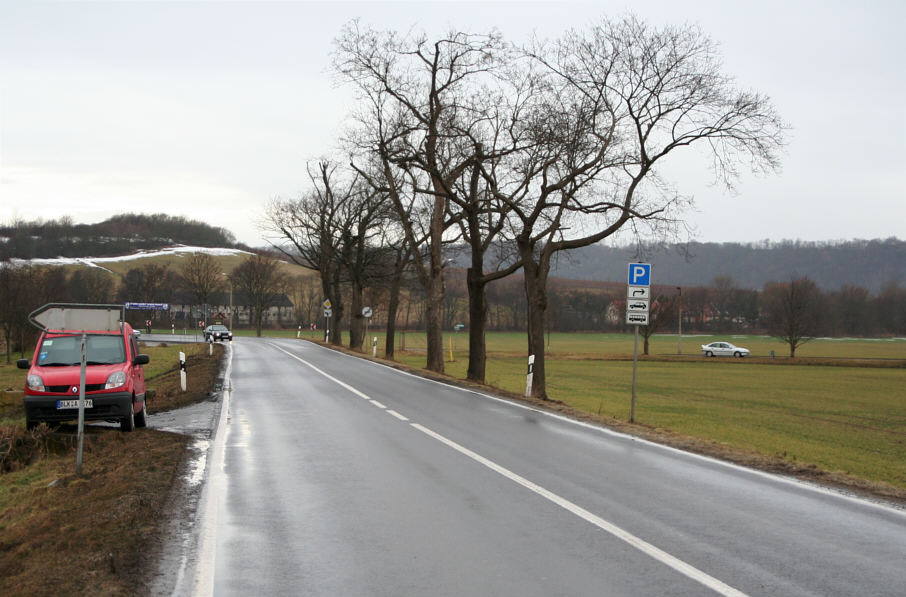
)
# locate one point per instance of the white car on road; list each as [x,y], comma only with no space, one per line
[724,349]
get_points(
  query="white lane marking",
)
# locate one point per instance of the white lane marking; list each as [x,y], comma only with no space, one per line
[397,415]
[643,546]
[654,552]
[791,481]
[377,404]
[211,494]
[324,373]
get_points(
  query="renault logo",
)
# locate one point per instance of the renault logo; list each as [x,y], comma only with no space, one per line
[75,389]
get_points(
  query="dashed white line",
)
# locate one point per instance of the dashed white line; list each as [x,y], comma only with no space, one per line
[647,548]
[397,415]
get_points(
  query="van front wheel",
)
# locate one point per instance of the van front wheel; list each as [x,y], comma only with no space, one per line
[141,419]
[127,423]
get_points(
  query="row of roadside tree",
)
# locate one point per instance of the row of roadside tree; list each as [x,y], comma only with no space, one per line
[516,152]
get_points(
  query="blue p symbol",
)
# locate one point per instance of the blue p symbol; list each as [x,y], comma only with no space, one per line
[640,274]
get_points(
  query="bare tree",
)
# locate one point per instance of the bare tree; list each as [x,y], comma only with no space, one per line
[618,100]
[259,280]
[416,101]
[91,285]
[662,313]
[306,297]
[337,230]
[13,290]
[202,276]
[792,311]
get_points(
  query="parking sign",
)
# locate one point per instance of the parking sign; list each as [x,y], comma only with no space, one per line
[640,274]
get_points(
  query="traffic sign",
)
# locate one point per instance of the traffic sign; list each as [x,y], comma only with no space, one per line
[637,305]
[637,317]
[149,306]
[75,317]
[326,304]
[327,312]
[367,312]
[640,274]
[638,292]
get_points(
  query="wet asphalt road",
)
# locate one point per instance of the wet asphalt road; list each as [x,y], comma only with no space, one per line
[334,476]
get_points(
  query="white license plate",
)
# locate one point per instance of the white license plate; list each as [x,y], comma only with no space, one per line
[61,404]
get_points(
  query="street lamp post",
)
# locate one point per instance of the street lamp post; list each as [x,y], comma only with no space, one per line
[679,336]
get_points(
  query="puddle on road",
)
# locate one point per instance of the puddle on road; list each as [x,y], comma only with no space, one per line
[196,466]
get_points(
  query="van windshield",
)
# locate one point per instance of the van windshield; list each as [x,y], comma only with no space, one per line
[64,351]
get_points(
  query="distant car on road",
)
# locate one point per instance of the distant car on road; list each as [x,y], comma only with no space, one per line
[217,332]
[724,349]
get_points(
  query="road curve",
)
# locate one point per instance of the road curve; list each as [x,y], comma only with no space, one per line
[332,475]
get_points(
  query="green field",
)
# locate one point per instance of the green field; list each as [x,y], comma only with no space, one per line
[848,419]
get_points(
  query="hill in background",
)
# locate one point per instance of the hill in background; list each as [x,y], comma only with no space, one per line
[119,235]
[871,264]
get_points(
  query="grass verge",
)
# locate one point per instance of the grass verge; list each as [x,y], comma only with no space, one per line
[63,534]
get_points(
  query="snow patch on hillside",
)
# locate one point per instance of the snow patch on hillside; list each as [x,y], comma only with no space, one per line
[177,250]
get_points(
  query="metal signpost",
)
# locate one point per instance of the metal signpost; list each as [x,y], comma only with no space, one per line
[327,313]
[66,317]
[366,313]
[638,298]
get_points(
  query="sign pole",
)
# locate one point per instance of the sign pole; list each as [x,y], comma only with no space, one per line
[638,297]
[635,368]
[81,432]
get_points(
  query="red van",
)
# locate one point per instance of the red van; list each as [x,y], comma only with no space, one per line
[114,378]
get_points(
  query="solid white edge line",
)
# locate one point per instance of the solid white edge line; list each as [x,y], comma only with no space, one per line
[212,491]
[648,549]
[654,552]
[792,481]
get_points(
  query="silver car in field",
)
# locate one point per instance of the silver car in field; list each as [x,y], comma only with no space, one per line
[724,349]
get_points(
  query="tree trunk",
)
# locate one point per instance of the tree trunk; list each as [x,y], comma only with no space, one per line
[392,308]
[356,320]
[478,314]
[434,296]
[536,299]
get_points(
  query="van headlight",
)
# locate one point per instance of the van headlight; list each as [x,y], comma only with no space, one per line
[116,379]
[35,383]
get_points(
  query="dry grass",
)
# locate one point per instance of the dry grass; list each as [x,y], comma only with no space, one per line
[63,534]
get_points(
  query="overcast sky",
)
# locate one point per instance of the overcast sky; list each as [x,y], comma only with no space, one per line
[209,109]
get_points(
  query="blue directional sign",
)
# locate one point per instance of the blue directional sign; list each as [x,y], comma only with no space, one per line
[640,274]
[149,306]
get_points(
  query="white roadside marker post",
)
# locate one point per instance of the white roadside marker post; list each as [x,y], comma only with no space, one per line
[182,371]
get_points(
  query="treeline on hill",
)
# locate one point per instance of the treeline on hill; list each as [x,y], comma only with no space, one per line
[118,235]
[872,264]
